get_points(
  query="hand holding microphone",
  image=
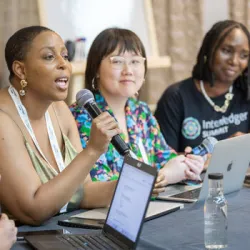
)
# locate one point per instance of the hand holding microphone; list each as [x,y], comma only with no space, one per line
[103,129]
[188,167]
[205,149]
[177,170]
[103,123]
[198,158]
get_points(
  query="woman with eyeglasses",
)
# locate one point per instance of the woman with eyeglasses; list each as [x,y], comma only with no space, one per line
[115,72]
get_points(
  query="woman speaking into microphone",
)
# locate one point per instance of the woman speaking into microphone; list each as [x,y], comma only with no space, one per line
[43,167]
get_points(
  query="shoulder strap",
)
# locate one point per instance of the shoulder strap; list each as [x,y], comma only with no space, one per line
[63,147]
[57,119]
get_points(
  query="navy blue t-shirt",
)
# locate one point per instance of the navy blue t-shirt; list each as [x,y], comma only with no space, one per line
[186,118]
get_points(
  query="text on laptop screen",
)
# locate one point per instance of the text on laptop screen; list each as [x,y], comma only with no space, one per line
[130,200]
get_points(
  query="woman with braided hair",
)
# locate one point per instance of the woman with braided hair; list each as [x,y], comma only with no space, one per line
[215,100]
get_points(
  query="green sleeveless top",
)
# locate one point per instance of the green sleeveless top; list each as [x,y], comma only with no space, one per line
[46,173]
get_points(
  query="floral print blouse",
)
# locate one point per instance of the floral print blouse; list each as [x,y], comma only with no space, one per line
[141,125]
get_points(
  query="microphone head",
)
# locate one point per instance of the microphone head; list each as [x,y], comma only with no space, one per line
[83,97]
[209,144]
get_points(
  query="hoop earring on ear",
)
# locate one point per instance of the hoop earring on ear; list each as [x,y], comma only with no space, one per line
[24,84]
[93,84]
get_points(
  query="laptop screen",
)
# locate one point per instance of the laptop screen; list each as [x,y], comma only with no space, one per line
[130,200]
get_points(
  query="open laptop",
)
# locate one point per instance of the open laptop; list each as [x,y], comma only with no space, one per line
[125,217]
[230,157]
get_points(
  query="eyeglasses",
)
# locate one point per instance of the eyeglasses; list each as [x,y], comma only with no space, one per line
[135,62]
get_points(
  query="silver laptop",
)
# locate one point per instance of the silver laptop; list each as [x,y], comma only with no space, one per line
[230,157]
[125,217]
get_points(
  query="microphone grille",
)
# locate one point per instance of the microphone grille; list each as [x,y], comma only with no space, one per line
[83,97]
[209,143]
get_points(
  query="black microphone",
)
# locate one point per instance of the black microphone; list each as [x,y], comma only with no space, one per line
[85,99]
[206,147]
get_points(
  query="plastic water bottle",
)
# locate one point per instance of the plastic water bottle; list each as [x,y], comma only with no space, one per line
[215,214]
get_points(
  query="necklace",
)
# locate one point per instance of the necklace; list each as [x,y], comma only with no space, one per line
[228,96]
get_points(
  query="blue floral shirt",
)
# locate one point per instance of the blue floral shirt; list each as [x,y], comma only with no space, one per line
[141,125]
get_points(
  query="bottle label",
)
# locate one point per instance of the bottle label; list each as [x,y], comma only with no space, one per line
[219,200]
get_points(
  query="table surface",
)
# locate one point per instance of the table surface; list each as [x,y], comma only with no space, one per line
[182,229]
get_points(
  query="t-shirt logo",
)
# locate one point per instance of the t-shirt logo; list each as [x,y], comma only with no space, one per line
[191,128]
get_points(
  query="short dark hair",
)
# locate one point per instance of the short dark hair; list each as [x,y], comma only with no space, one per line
[211,42]
[104,44]
[19,44]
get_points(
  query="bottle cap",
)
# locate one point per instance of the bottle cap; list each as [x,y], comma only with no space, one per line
[215,176]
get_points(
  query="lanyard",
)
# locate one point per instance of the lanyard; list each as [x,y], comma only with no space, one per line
[143,152]
[52,137]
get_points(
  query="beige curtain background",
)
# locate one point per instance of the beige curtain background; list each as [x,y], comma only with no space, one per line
[179,31]
[14,14]
[240,11]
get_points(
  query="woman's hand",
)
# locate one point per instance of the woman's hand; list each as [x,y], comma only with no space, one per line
[173,172]
[159,185]
[196,163]
[178,169]
[104,127]
[8,232]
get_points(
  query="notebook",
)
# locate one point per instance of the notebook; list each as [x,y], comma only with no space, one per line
[95,218]
[125,217]
[230,157]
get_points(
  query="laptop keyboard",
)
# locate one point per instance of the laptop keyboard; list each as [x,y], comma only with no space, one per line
[95,242]
[190,194]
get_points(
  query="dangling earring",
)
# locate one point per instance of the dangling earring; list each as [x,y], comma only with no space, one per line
[24,84]
[136,94]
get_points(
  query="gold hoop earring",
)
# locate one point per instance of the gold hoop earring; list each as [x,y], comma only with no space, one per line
[24,84]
